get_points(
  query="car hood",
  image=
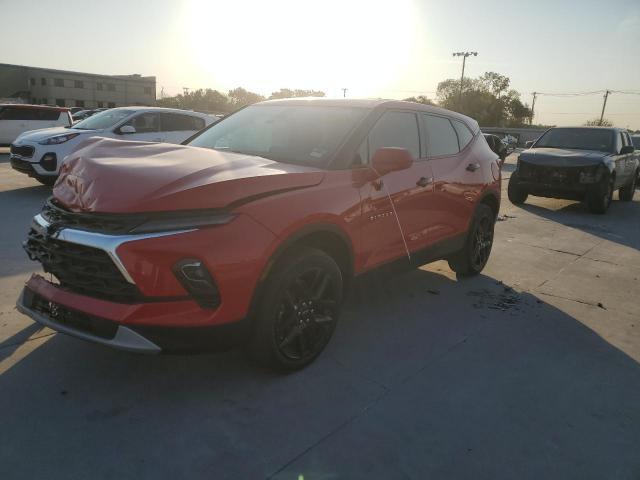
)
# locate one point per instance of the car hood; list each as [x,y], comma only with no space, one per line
[116,176]
[558,157]
[44,133]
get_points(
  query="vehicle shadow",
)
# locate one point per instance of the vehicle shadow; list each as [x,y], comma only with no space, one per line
[425,377]
[620,224]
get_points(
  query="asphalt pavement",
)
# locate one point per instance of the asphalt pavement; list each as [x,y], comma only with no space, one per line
[528,371]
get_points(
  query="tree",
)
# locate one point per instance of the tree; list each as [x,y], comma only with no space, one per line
[420,99]
[288,93]
[208,100]
[239,97]
[595,122]
[487,99]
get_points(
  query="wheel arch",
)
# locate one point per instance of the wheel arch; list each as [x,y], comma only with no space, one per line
[328,237]
[492,201]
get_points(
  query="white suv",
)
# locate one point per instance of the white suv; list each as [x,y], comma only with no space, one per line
[17,118]
[40,153]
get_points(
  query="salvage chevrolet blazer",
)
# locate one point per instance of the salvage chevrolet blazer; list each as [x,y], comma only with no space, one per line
[586,163]
[251,231]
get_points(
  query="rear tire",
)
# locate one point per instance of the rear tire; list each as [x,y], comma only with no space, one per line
[48,181]
[599,200]
[517,195]
[298,310]
[474,255]
[626,193]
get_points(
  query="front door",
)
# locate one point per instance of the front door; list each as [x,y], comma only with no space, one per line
[395,206]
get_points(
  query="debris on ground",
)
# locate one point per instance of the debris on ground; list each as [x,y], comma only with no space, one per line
[433,292]
[602,306]
[507,300]
[505,217]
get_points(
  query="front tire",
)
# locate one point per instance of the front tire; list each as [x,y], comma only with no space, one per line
[298,310]
[473,257]
[626,193]
[599,200]
[517,195]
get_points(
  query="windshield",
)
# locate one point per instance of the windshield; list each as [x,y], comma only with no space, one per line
[577,139]
[105,119]
[305,135]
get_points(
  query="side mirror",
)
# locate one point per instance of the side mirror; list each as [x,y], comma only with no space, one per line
[391,159]
[528,144]
[125,129]
[627,149]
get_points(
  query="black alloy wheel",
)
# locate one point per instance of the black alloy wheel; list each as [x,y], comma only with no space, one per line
[298,309]
[474,256]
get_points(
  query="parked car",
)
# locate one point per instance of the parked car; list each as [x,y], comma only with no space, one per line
[40,153]
[497,146]
[83,115]
[582,163]
[15,119]
[252,230]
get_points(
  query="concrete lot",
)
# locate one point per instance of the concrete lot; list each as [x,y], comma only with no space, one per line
[529,371]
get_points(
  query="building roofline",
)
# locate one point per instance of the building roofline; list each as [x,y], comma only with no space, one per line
[73,72]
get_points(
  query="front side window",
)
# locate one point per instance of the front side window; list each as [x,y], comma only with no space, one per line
[577,139]
[396,129]
[441,137]
[300,134]
[145,123]
[636,141]
[106,119]
[173,122]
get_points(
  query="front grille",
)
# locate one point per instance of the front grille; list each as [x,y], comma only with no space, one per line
[549,175]
[70,318]
[24,151]
[80,269]
[93,222]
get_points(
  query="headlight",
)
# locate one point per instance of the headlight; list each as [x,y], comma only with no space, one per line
[592,175]
[59,139]
[183,222]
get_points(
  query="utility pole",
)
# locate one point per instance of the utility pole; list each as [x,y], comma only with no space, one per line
[533,106]
[604,105]
[344,92]
[464,56]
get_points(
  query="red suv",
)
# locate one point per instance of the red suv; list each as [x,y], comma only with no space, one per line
[251,231]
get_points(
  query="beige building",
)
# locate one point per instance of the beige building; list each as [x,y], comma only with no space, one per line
[74,89]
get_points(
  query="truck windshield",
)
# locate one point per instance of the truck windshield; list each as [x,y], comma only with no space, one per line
[105,119]
[300,134]
[577,139]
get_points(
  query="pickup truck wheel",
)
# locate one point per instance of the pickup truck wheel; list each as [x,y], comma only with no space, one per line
[626,193]
[517,195]
[298,310]
[599,200]
[475,254]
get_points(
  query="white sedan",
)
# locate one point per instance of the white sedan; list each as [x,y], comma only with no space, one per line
[39,153]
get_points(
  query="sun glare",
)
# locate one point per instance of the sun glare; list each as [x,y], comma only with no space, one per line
[265,46]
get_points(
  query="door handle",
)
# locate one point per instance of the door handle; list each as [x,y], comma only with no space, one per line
[472,167]
[424,181]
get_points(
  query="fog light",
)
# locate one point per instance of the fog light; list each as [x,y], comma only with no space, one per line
[196,279]
[49,162]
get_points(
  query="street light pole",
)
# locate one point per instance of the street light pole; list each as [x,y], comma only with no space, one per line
[464,56]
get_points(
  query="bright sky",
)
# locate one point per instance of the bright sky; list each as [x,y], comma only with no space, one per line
[393,48]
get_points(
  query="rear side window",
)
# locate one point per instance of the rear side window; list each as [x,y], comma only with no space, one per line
[396,129]
[464,134]
[441,137]
[29,114]
[172,122]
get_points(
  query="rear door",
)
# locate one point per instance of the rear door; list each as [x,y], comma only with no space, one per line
[395,206]
[457,173]
[176,127]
